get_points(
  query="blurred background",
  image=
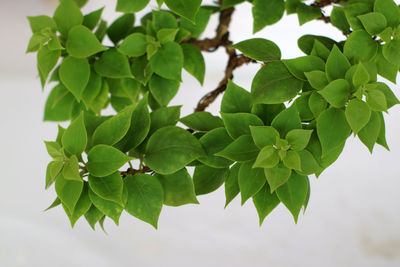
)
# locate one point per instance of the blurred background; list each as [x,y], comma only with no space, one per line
[353,218]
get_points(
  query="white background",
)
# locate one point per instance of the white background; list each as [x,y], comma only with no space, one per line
[353,217]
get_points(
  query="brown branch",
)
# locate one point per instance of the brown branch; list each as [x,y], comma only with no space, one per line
[132,172]
[324,3]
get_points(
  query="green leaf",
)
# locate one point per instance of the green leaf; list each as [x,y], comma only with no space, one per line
[373,22]
[266,13]
[298,66]
[391,99]
[145,198]
[113,64]
[336,92]
[121,28]
[382,133]
[294,193]
[53,170]
[298,139]
[207,179]
[231,184]
[358,114]
[185,8]
[163,90]
[114,129]
[81,207]
[307,13]
[93,215]
[267,112]
[163,20]
[385,68]
[360,46]
[92,89]
[59,104]
[309,165]
[92,19]
[202,121]
[287,120]
[390,10]
[104,160]
[259,49]
[67,15]
[178,188]
[317,79]
[179,150]
[274,84]
[200,22]
[54,150]
[82,43]
[55,203]
[332,129]
[166,116]
[74,74]
[235,99]
[370,133]
[134,45]
[267,158]
[250,180]
[39,23]
[376,100]
[391,52]
[71,169]
[265,202]
[238,124]
[168,61]
[108,187]
[166,35]
[194,62]
[74,139]
[68,191]
[139,127]
[337,64]
[213,142]
[264,135]
[317,104]
[338,19]
[47,59]
[306,42]
[242,149]
[129,6]
[292,160]
[109,208]
[320,50]
[361,76]
[277,176]
[36,42]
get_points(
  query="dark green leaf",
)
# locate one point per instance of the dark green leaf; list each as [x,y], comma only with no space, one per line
[287,120]
[360,46]
[93,215]
[370,133]
[92,19]
[259,49]
[163,89]
[235,99]
[382,133]
[121,28]
[266,13]
[194,62]
[238,124]
[338,19]
[168,61]
[207,179]
[129,6]
[202,121]
[250,180]
[265,202]
[231,184]
[185,8]
[113,64]
[391,52]
[391,99]
[307,13]
[242,149]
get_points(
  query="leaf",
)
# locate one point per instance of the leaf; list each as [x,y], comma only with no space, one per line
[114,129]
[320,50]
[185,8]
[109,208]
[287,120]
[213,142]
[292,160]
[92,19]
[178,188]
[337,64]
[74,139]
[68,191]
[238,124]
[294,193]
[306,42]
[298,66]
[200,22]
[207,179]
[277,176]
[166,116]
[179,150]
[266,13]
[361,76]
[121,27]
[71,169]
[336,93]
[376,100]
[39,23]
[74,74]
[391,98]
[53,170]
[267,158]
[163,19]
[264,135]
[81,207]
[104,160]
[302,106]
[391,52]
[129,6]
[307,13]
[360,46]
[242,149]
[67,15]
[93,88]
[358,114]
[370,133]
[59,104]
[82,43]
[309,165]
[231,184]
[47,59]
[145,198]
[332,129]
[389,9]
[274,84]
[259,49]
[230,3]
[317,104]
[54,150]
[373,22]
[93,215]
[235,99]
[265,202]
[134,45]
[194,62]
[163,90]
[267,112]
[108,187]
[298,139]
[250,180]
[338,19]
[168,61]
[113,64]
[55,203]
[382,133]
[317,79]
[202,121]
[36,42]
[385,68]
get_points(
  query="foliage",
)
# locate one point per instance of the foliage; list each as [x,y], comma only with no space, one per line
[293,123]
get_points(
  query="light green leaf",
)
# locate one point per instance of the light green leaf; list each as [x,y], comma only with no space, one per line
[391,52]
[168,61]
[309,165]
[74,139]
[108,187]
[242,149]
[376,100]
[54,150]
[298,139]
[104,160]
[389,9]
[74,74]
[68,191]
[71,169]
[358,114]
[113,64]
[361,76]
[67,15]
[267,158]
[277,176]
[370,133]
[287,120]
[336,92]
[47,59]
[92,89]
[337,64]
[194,62]
[81,207]
[292,160]
[166,35]
[264,135]
[317,104]
[134,45]
[265,202]
[235,99]
[163,90]
[200,24]
[238,124]
[298,66]
[109,208]
[53,170]
[382,133]
[373,22]
[82,43]
[385,68]
[207,179]
[36,42]
[163,19]
[391,98]
[317,79]
[185,8]
[93,215]
[259,49]
[39,23]
[266,13]
[250,180]
[129,6]
[59,104]
[231,184]
[202,121]
[360,46]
